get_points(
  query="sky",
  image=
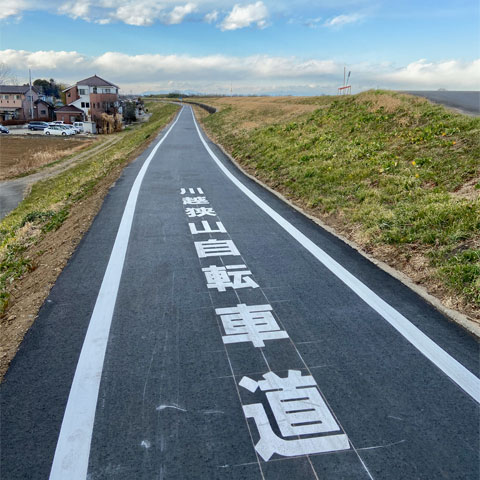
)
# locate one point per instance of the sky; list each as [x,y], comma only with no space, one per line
[281,47]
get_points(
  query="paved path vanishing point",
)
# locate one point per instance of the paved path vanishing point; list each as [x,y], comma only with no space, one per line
[465,101]
[204,329]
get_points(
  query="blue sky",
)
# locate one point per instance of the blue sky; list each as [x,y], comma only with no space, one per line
[297,47]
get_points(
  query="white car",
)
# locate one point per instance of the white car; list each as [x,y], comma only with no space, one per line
[69,129]
[57,130]
[78,126]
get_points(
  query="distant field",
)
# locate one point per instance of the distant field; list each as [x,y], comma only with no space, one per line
[397,174]
[23,154]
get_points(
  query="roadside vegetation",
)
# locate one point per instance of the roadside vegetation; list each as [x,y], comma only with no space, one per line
[398,175]
[50,201]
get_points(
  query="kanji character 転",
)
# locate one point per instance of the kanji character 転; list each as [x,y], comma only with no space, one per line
[229,276]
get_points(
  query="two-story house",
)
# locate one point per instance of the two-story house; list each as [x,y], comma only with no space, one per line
[93,96]
[18,102]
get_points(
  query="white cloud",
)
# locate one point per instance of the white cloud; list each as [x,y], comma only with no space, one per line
[76,9]
[54,62]
[452,74]
[13,8]
[341,20]
[312,22]
[179,12]
[141,13]
[241,17]
[148,12]
[211,17]
[252,74]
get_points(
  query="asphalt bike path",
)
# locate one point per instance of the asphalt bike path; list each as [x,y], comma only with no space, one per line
[196,335]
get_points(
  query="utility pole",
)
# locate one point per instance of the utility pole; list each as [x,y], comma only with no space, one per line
[31,93]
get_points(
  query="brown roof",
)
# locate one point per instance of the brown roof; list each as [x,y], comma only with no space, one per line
[96,81]
[36,102]
[68,108]
[16,89]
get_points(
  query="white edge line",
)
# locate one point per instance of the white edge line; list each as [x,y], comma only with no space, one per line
[439,357]
[73,445]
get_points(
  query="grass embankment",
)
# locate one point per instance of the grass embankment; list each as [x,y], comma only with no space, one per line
[50,202]
[397,174]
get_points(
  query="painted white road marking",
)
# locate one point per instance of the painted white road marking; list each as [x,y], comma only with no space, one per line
[195,201]
[73,446]
[216,248]
[299,409]
[439,357]
[230,276]
[183,191]
[249,323]
[200,212]
[207,228]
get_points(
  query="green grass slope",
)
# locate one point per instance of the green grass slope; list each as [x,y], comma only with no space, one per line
[402,171]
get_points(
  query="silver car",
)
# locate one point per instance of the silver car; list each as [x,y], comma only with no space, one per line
[57,130]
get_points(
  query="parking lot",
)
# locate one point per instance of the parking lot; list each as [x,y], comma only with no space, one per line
[25,131]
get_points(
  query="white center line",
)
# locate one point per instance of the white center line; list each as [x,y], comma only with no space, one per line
[445,362]
[73,446]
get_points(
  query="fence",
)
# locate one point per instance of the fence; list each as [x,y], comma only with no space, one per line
[208,108]
[347,90]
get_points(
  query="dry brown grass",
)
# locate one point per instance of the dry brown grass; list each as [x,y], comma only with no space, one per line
[23,154]
[388,103]
[469,190]
[254,112]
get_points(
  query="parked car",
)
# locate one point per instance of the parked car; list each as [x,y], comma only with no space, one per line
[34,125]
[4,129]
[78,126]
[74,128]
[57,122]
[57,130]
[68,128]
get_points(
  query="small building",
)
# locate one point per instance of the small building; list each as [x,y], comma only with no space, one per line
[69,114]
[94,96]
[45,110]
[89,127]
[17,103]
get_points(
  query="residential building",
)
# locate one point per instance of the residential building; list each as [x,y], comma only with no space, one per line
[70,114]
[93,96]
[44,110]
[17,103]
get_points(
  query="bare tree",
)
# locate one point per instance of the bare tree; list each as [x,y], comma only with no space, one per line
[6,75]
